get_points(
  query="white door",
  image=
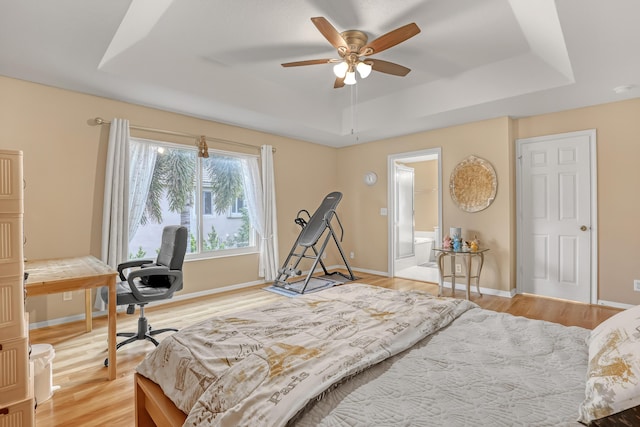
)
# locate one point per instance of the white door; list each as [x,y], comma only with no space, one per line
[404,211]
[556,199]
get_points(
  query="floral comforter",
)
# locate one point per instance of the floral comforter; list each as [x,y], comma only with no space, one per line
[263,366]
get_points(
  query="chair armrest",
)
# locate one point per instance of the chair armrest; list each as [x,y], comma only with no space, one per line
[154,271]
[131,264]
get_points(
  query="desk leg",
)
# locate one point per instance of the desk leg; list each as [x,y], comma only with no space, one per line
[88,312]
[111,339]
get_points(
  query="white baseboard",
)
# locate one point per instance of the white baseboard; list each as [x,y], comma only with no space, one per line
[364,270]
[614,304]
[211,292]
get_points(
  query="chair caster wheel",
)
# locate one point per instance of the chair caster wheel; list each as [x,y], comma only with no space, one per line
[106,362]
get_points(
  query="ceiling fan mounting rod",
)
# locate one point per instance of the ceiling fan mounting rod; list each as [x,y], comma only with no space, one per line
[355,39]
[352,58]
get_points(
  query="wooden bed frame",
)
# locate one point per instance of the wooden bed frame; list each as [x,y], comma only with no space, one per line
[153,408]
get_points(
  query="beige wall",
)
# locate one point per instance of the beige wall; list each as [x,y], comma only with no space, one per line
[426,195]
[64,170]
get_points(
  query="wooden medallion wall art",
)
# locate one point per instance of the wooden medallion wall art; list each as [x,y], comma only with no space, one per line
[473,184]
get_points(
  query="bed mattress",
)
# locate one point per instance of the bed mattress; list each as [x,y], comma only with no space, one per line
[484,369]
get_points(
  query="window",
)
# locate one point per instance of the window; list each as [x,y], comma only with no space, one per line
[236,208]
[185,189]
[207,203]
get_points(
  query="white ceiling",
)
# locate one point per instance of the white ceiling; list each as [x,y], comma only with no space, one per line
[220,60]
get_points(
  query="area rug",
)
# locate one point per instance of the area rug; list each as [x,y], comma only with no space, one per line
[316,284]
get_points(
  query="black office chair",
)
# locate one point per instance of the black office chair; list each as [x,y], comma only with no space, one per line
[148,281]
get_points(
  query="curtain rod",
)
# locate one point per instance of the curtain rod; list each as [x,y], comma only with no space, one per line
[101,121]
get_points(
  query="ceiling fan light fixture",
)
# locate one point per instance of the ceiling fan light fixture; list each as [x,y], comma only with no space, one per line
[340,69]
[364,69]
[350,78]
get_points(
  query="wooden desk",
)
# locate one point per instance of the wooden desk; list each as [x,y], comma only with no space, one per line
[51,276]
[467,255]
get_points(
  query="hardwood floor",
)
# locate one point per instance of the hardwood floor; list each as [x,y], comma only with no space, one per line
[86,398]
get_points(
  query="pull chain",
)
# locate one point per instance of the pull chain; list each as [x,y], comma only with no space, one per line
[354,102]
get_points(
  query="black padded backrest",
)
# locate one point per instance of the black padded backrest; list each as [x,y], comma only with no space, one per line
[173,247]
[316,225]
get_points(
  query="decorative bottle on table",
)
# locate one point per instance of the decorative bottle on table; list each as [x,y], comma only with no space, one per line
[456,236]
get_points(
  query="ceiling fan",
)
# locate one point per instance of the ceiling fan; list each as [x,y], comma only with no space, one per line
[354,52]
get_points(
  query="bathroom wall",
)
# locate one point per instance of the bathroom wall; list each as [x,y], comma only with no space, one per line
[426,195]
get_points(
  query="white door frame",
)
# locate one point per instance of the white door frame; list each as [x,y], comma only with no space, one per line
[591,133]
[391,197]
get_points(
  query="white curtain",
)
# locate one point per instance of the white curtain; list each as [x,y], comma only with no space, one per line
[260,198]
[269,258]
[115,210]
[253,193]
[142,159]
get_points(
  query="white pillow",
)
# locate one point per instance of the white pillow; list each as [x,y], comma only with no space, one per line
[613,375]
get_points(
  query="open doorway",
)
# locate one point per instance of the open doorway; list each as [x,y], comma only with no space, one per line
[415,214]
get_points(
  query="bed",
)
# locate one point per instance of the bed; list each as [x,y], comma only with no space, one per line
[360,355]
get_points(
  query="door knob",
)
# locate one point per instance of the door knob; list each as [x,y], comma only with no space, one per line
[583,228]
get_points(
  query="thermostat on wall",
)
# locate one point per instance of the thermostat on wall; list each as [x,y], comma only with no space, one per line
[370,178]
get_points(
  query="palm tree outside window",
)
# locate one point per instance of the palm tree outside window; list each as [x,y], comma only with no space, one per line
[199,193]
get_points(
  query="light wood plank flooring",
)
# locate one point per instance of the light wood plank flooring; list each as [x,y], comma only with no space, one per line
[86,398]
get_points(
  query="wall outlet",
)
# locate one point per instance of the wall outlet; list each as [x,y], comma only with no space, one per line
[636,285]
[352,255]
[458,268]
[67,296]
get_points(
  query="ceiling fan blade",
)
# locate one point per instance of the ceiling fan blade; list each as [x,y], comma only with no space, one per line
[330,33]
[310,62]
[388,67]
[338,83]
[390,39]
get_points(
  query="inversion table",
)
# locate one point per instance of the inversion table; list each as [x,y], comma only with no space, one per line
[313,229]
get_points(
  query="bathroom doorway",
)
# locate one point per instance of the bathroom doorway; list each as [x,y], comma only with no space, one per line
[415,214]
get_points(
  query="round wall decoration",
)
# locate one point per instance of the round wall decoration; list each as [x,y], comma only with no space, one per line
[473,184]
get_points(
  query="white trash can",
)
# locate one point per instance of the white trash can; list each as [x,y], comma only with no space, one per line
[42,355]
